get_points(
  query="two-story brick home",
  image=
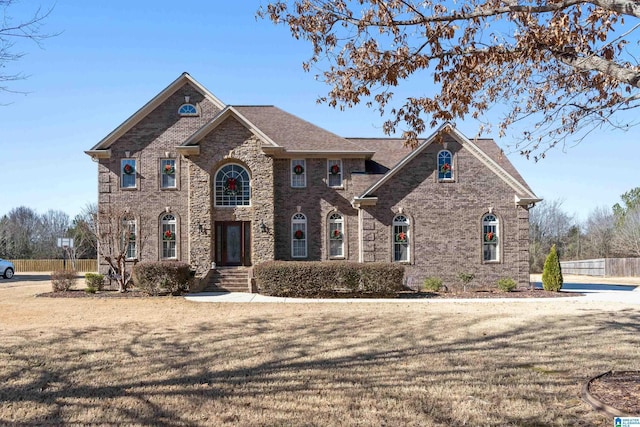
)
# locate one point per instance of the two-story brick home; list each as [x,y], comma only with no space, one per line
[217,185]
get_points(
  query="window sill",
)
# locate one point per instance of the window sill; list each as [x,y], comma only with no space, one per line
[337,258]
[169,189]
[447,180]
[128,188]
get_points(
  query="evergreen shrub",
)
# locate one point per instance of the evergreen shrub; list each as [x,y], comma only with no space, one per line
[94,280]
[507,284]
[328,279]
[552,273]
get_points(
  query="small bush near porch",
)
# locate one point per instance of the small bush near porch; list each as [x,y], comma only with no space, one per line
[326,279]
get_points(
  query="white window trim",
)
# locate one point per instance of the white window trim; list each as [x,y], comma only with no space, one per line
[127,225]
[215,188]
[134,174]
[177,237]
[294,221]
[196,114]
[176,174]
[394,224]
[451,164]
[329,239]
[292,164]
[330,163]
[498,243]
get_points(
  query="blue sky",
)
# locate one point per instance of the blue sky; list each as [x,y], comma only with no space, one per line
[112,57]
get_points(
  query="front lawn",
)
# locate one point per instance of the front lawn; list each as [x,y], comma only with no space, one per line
[149,361]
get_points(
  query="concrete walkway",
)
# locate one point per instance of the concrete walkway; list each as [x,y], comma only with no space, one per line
[630,295]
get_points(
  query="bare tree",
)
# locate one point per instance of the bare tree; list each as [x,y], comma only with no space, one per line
[115,233]
[20,233]
[548,225]
[627,240]
[562,67]
[600,231]
[53,224]
[11,31]
[82,232]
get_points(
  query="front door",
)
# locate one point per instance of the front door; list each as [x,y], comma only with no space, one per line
[233,243]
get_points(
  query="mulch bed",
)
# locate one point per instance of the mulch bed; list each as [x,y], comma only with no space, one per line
[495,293]
[80,293]
[620,390]
[475,293]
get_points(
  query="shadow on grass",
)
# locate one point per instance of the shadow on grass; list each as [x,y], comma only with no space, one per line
[329,367]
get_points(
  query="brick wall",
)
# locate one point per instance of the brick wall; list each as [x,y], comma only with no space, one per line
[446,229]
[147,142]
[317,201]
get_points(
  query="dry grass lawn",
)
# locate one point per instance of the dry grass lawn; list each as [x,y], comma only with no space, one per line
[167,361]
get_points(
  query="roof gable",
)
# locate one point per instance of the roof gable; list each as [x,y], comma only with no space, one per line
[156,101]
[282,132]
[506,171]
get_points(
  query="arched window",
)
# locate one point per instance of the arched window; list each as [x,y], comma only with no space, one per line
[445,165]
[490,238]
[400,239]
[129,237]
[168,236]
[336,235]
[188,110]
[232,186]
[299,236]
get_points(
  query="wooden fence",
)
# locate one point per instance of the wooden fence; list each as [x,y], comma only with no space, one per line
[612,267]
[48,265]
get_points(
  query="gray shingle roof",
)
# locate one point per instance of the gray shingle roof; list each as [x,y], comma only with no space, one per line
[294,133]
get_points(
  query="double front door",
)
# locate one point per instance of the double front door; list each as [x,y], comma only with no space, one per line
[233,243]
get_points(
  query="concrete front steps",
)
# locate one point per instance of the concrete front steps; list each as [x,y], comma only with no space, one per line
[229,279]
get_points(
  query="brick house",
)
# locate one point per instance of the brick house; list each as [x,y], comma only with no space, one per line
[221,186]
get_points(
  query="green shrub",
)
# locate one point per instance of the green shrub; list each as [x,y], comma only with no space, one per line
[63,280]
[552,273]
[91,290]
[433,284]
[507,284]
[94,280]
[155,278]
[313,279]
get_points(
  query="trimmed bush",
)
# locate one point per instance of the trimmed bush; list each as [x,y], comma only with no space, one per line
[163,277]
[94,280]
[90,290]
[552,273]
[328,279]
[432,284]
[507,284]
[63,280]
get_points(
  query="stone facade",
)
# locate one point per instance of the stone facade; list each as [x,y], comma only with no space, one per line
[445,218]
